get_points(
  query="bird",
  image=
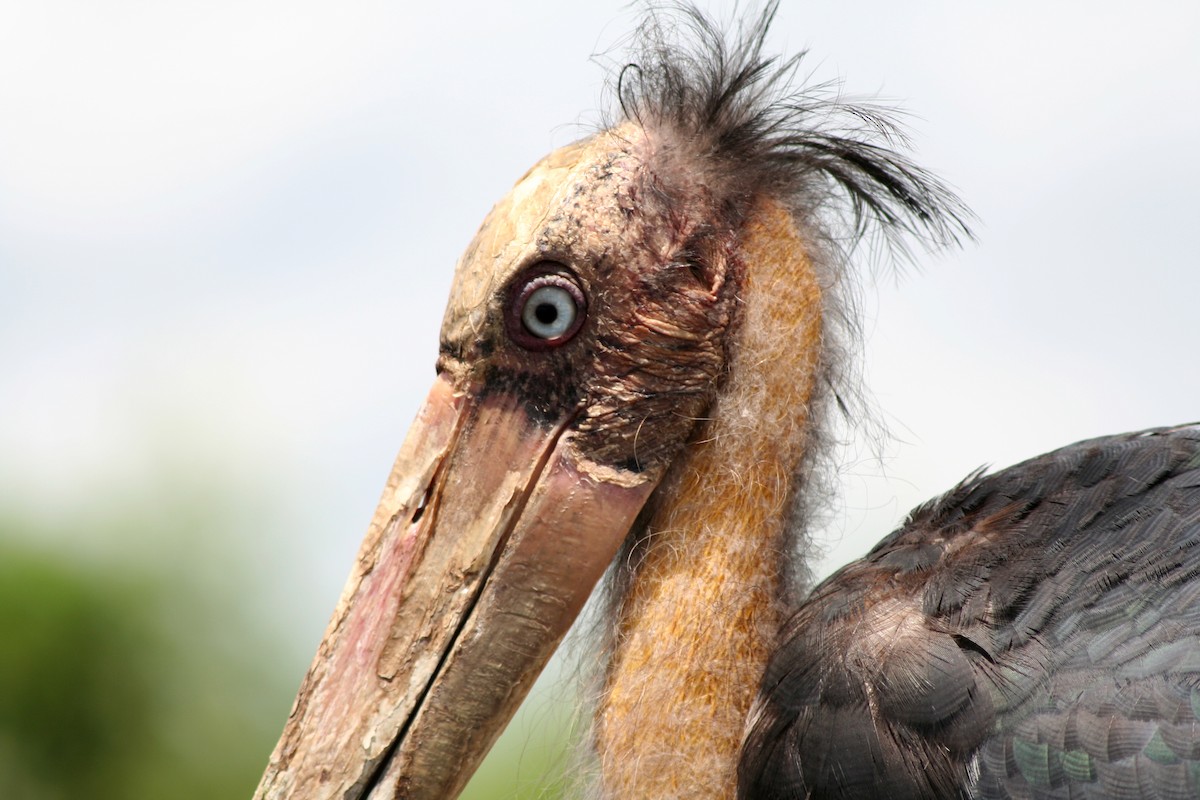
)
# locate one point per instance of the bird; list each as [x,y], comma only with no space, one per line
[643,352]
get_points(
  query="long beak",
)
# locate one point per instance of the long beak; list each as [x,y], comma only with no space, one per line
[490,536]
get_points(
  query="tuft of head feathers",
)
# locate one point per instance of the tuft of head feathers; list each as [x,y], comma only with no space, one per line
[756,128]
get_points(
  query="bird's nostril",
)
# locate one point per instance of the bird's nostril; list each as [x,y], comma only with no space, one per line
[423,504]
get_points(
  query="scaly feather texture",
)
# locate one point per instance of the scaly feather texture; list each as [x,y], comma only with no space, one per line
[701,613]
[1032,634]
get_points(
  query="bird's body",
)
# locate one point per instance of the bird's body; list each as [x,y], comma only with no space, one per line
[639,356]
[1032,634]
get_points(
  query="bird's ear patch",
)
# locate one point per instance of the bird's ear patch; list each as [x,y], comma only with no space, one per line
[707,258]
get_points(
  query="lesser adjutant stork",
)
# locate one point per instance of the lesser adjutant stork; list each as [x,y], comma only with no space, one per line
[641,348]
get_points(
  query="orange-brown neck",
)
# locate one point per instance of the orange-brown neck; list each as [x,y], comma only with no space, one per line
[701,614]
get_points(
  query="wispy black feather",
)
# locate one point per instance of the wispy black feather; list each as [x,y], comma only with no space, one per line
[761,130]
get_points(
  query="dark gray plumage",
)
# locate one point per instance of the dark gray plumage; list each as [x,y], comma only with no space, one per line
[1032,634]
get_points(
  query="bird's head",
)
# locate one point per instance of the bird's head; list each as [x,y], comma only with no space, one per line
[596,299]
[592,324]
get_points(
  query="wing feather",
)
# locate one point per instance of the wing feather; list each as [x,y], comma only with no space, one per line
[1034,633]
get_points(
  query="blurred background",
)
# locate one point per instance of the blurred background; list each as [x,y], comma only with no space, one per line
[226,233]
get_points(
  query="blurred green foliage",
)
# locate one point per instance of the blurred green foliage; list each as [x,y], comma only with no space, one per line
[112,687]
[124,678]
[74,707]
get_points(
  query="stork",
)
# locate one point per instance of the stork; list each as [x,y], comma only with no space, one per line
[640,355]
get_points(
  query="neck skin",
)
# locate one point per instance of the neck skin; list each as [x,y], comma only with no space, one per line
[701,612]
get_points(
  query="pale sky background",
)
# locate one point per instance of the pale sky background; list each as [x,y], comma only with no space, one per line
[227,230]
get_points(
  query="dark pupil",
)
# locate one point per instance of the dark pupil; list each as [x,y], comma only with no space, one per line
[546,313]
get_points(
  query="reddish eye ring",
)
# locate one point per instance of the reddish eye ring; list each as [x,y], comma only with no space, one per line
[545,309]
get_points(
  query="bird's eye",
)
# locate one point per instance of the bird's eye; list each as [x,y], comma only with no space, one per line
[549,312]
[546,310]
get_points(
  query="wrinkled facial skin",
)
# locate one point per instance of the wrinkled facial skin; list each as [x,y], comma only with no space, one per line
[653,268]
